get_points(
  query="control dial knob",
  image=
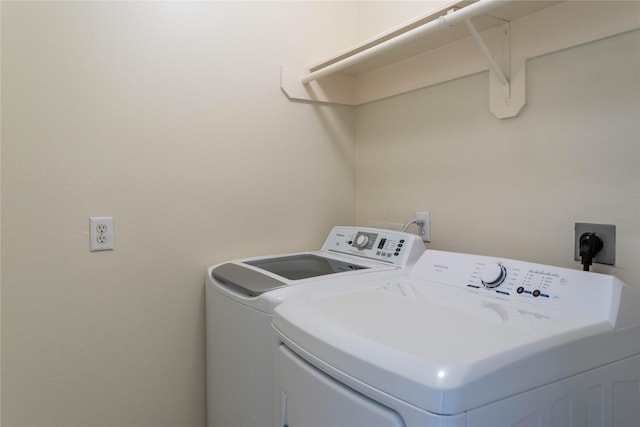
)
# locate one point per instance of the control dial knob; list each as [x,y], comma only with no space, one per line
[361,241]
[492,275]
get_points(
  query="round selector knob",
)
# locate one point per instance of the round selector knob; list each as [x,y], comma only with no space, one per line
[361,241]
[492,275]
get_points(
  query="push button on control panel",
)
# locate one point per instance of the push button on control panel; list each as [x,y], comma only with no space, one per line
[399,247]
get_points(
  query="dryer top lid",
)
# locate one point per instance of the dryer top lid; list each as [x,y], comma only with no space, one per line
[440,339]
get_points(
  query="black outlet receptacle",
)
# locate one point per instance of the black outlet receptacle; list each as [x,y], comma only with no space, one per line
[606,232]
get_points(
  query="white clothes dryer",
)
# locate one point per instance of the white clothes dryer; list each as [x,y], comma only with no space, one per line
[241,296]
[463,341]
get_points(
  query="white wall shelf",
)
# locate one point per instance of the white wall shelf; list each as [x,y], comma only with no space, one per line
[460,39]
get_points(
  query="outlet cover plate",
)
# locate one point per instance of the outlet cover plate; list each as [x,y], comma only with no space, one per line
[606,232]
[101,233]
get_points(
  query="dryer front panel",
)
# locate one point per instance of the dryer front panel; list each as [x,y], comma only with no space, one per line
[310,398]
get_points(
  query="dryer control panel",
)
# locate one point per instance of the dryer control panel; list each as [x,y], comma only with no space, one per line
[388,246]
[509,280]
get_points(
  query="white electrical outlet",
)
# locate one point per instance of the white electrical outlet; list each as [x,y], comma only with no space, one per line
[101,233]
[425,231]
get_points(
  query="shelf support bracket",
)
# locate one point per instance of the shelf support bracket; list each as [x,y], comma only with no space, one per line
[506,83]
[485,50]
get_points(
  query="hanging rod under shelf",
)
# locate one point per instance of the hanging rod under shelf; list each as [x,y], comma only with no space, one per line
[441,23]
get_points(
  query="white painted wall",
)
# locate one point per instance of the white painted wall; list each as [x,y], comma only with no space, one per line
[375,17]
[0,221]
[169,117]
[514,188]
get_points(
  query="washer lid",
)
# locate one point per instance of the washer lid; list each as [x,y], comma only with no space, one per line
[252,282]
[447,349]
[244,280]
[303,266]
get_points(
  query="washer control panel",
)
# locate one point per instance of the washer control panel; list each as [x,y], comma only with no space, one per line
[389,246]
[512,280]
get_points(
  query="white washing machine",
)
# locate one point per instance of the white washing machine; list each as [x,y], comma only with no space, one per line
[463,341]
[241,296]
